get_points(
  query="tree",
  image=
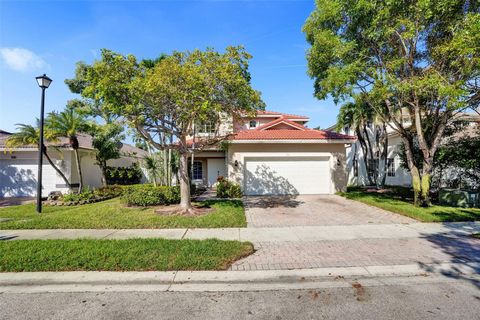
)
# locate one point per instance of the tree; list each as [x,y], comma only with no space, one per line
[30,135]
[153,167]
[372,135]
[69,123]
[164,102]
[421,59]
[106,140]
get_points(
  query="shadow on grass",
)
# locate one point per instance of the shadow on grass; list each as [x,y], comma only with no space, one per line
[226,202]
[461,248]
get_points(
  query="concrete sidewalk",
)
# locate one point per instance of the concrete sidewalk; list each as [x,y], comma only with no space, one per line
[36,282]
[256,235]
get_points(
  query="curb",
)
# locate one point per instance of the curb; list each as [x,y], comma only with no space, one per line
[210,281]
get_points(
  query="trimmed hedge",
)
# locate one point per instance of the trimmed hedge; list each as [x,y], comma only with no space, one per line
[228,189]
[148,195]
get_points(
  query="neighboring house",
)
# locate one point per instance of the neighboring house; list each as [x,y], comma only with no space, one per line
[18,166]
[396,174]
[274,153]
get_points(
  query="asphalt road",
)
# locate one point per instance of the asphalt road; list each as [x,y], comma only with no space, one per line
[458,299]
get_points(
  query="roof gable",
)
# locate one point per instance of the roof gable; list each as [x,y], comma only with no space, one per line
[281,123]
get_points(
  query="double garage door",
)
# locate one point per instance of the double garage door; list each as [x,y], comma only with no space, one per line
[18,178]
[283,176]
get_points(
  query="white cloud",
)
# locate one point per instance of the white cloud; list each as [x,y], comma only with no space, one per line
[20,59]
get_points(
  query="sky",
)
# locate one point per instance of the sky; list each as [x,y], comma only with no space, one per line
[39,37]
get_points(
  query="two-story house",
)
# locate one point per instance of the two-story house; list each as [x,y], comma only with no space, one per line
[275,153]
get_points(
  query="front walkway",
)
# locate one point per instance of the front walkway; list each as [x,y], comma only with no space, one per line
[314,210]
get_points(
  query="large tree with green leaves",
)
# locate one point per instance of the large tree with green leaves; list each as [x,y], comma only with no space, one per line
[421,59]
[164,101]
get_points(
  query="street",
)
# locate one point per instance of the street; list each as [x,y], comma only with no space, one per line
[420,297]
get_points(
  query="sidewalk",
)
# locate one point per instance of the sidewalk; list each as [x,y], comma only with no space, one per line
[260,235]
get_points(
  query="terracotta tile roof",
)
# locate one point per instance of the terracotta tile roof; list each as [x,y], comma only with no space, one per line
[308,134]
[84,141]
[281,120]
[286,115]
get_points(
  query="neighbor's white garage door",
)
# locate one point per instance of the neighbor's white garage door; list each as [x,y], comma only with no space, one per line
[292,175]
[18,178]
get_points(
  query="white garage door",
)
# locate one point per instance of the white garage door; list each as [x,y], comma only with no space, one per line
[292,175]
[18,178]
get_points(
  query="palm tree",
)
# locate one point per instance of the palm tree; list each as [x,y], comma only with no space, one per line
[153,167]
[69,123]
[356,117]
[30,135]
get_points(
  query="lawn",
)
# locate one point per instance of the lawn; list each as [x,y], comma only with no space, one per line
[112,214]
[435,213]
[120,255]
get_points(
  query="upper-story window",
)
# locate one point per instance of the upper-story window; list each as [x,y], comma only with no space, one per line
[347,130]
[252,124]
[206,127]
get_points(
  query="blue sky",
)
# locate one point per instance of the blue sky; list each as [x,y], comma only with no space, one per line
[50,37]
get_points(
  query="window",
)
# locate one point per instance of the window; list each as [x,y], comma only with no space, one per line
[252,124]
[197,170]
[347,130]
[206,127]
[391,167]
[355,168]
[372,167]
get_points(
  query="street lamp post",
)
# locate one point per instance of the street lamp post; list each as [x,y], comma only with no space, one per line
[43,82]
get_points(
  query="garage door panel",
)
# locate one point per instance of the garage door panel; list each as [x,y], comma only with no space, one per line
[18,178]
[293,175]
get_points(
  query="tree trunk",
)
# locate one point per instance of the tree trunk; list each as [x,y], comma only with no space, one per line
[385,155]
[56,168]
[103,170]
[420,180]
[79,171]
[185,202]
[363,145]
[371,180]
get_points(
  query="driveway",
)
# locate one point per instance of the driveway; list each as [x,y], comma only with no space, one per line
[314,210]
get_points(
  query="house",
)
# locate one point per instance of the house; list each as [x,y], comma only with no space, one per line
[396,174]
[18,166]
[274,153]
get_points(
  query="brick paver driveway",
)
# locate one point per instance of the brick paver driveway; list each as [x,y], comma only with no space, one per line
[314,210]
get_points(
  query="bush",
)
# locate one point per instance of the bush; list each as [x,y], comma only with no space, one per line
[228,189]
[148,195]
[124,175]
[89,196]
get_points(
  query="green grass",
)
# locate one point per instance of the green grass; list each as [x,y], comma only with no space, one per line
[120,255]
[433,213]
[112,214]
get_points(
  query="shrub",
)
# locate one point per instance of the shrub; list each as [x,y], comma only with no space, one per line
[89,196]
[228,189]
[148,195]
[124,175]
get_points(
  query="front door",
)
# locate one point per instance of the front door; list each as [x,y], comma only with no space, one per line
[215,168]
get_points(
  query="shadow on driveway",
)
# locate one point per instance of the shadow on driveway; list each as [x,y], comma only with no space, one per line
[462,248]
